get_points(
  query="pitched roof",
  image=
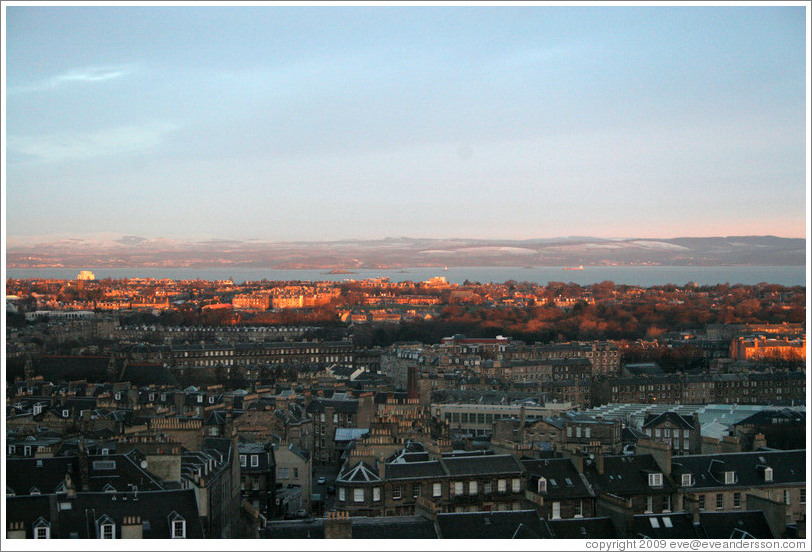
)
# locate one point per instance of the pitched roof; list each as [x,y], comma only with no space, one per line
[788,467]
[501,464]
[153,507]
[736,525]
[493,525]
[563,479]
[627,475]
[584,528]
[678,420]
[415,470]
[360,472]
[664,526]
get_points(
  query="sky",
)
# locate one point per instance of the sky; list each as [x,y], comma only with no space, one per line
[283,123]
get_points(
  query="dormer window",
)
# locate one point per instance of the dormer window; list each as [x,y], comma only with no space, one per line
[687,480]
[151,397]
[211,400]
[243,461]
[542,485]
[768,474]
[254,460]
[118,396]
[177,525]
[66,413]
[42,529]
[106,528]
[200,398]
[655,480]
[730,477]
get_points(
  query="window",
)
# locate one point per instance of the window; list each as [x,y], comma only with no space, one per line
[578,432]
[179,529]
[43,533]
[542,485]
[786,496]
[667,503]
[342,494]
[517,485]
[295,473]
[720,501]
[655,480]
[358,495]
[472,488]
[730,477]
[65,413]
[556,513]
[803,495]
[243,461]
[12,449]
[588,432]
[458,488]
[416,490]
[579,508]
[376,494]
[437,489]
[200,398]
[737,500]
[501,485]
[108,531]
[686,480]
[701,502]
[396,493]
[649,504]
[768,474]
[321,417]
[254,460]
[335,418]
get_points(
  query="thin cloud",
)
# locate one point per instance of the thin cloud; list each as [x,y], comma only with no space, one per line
[83,75]
[101,143]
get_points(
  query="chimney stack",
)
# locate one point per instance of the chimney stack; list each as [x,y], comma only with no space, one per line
[338,525]
[131,528]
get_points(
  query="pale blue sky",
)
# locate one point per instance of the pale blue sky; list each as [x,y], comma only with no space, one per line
[313,123]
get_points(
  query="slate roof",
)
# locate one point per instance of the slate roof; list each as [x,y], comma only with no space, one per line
[735,525]
[71,368]
[768,417]
[153,507]
[415,470]
[678,420]
[626,475]
[502,464]
[665,526]
[46,474]
[350,433]
[493,525]
[359,472]
[148,374]
[789,467]
[400,527]
[340,406]
[563,479]
[585,528]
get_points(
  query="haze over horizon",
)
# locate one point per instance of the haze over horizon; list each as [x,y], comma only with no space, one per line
[306,123]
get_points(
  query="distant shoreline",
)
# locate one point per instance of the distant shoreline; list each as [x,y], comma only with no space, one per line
[642,275]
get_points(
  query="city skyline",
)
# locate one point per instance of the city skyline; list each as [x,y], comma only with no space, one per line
[283,123]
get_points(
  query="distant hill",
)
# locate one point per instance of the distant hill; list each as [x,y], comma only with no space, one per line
[402,252]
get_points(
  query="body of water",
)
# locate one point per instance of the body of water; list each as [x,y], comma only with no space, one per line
[630,275]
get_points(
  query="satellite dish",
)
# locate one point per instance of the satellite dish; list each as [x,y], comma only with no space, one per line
[144,464]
